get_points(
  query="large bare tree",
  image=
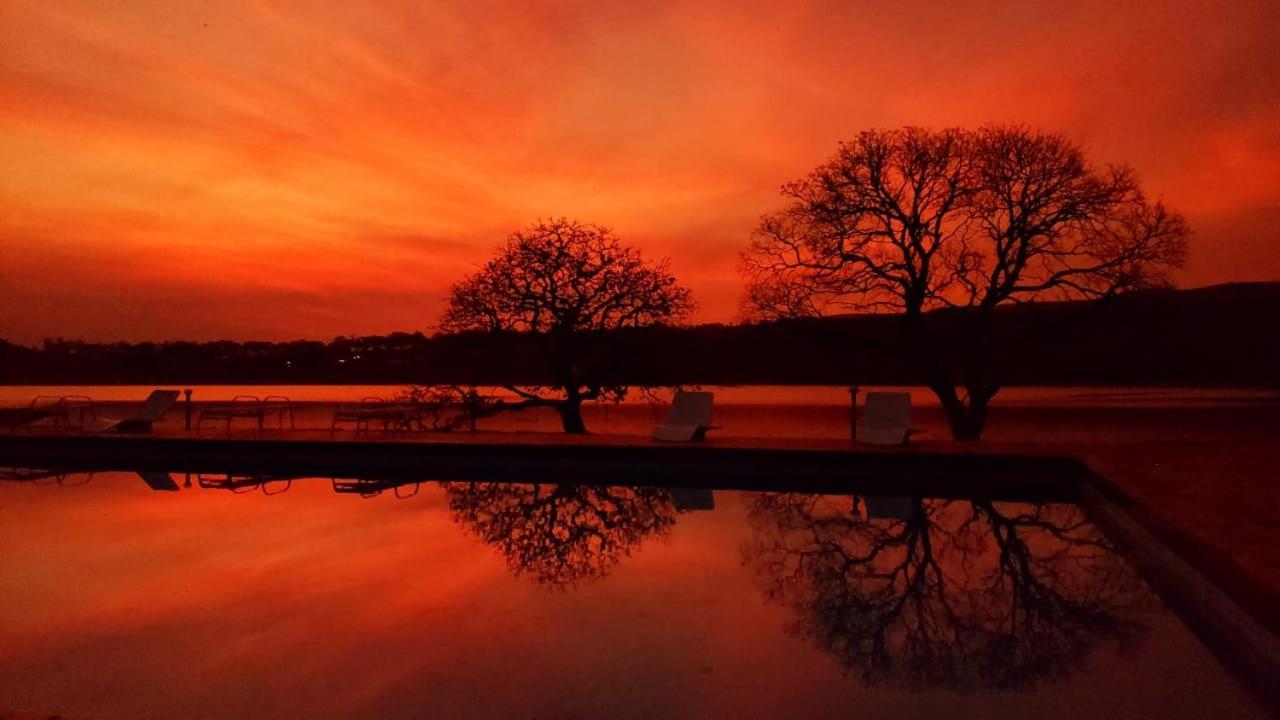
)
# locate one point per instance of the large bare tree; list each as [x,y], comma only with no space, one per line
[914,220]
[568,284]
[954,594]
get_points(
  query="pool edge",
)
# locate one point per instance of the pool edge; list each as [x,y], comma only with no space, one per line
[1240,641]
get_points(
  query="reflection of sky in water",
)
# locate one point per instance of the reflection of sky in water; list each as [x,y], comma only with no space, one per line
[116,601]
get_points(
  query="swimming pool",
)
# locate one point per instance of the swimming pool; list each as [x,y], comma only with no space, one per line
[161,594]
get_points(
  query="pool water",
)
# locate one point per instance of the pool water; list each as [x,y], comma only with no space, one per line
[127,595]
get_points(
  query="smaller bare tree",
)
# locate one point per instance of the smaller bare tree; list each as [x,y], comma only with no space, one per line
[568,285]
[561,535]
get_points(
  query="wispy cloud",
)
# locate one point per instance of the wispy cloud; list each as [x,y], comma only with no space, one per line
[329,151]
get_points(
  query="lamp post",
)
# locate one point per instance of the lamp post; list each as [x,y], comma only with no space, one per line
[853,413]
[187,406]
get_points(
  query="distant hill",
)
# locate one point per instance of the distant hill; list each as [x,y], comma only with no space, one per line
[1223,334]
[1220,335]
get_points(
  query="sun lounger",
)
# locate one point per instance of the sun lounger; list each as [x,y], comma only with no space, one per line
[886,419]
[690,418]
[141,420]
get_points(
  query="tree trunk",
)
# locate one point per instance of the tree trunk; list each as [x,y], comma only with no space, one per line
[966,417]
[571,415]
[969,425]
[923,352]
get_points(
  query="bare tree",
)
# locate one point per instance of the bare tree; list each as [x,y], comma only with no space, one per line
[959,595]
[561,534]
[914,221]
[568,284]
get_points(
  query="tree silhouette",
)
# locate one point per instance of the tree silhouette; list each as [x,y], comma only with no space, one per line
[914,220]
[959,595]
[561,534]
[567,284]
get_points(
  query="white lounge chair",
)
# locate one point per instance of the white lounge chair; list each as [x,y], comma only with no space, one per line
[156,405]
[690,418]
[886,419]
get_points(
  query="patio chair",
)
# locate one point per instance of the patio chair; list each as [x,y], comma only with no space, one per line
[241,406]
[43,407]
[244,483]
[45,476]
[280,405]
[886,419]
[251,407]
[81,407]
[689,419]
[373,487]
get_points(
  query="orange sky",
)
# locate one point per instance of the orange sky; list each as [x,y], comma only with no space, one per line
[277,170]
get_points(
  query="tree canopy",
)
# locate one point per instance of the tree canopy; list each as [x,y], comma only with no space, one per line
[562,276]
[568,283]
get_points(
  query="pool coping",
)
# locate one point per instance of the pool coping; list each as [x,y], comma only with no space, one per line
[715,466]
[1247,648]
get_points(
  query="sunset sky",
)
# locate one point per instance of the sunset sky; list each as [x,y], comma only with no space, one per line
[276,170]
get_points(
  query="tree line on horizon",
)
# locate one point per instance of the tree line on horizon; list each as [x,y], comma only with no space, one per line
[1203,337]
[941,228]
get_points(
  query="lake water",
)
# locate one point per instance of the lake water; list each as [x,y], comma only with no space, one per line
[127,595]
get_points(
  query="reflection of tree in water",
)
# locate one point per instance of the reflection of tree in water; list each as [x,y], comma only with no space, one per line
[561,534]
[959,595]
